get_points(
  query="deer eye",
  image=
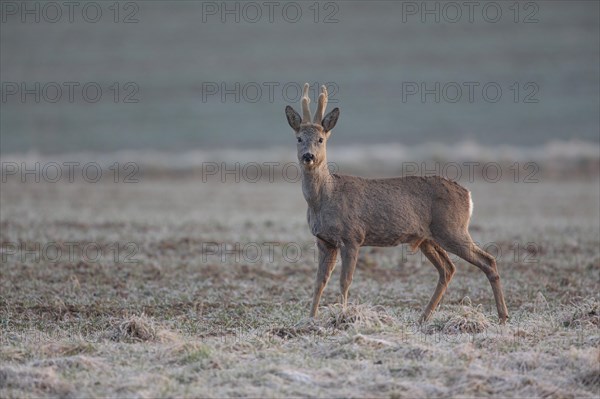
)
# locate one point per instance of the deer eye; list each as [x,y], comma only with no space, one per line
[299,140]
[320,139]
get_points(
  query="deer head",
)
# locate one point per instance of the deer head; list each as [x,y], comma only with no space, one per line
[312,136]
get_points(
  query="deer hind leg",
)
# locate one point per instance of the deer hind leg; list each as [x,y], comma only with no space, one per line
[327,258]
[466,249]
[349,258]
[446,270]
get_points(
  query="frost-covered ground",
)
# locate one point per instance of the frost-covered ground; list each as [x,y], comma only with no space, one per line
[174,287]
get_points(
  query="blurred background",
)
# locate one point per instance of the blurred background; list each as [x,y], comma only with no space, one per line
[179,82]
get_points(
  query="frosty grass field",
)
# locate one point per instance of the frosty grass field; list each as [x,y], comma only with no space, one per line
[209,296]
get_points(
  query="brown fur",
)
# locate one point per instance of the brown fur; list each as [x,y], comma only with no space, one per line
[347,212]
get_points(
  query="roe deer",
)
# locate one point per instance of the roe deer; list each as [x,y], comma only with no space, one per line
[347,212]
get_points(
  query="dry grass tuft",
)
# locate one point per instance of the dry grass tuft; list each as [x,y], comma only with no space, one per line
[186,353]
[334,318]
[21,381]
[374,343]
[11,354]
[67,348]
[590,379]
[467,320]
[135,329]
[355,316]
[304,327]
[585,313]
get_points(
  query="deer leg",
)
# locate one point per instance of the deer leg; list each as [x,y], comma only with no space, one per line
[349,258]
[486,262]
[445,268]
[327,258]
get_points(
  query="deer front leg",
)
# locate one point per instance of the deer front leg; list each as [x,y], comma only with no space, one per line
[327,258]
[349,258]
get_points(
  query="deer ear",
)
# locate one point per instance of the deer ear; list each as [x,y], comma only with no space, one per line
[293,118]
[330,119]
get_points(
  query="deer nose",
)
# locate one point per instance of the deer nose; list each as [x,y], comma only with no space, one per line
[308,157]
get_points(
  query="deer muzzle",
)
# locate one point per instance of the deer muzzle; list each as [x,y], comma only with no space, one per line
[308,158]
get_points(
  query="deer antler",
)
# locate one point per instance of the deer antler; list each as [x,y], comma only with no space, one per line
[321,106]
[305,107]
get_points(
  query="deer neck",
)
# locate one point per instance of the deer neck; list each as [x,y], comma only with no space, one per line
[316,185]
